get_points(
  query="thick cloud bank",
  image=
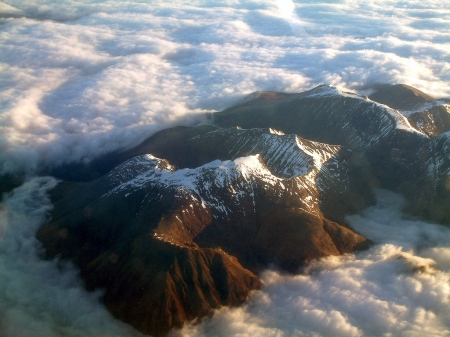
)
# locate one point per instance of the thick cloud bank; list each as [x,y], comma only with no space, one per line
[399,287]
[80,78]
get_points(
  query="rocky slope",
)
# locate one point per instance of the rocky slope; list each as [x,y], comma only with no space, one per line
[396,141]
[183,223]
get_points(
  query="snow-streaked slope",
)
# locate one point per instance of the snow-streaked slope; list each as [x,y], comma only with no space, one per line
[324,114]
[401,121]
[286,156]
[259,157]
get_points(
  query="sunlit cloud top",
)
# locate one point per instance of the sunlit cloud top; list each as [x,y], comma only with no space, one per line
[81,78]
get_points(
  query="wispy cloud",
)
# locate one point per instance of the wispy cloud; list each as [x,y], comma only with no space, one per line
[37,297]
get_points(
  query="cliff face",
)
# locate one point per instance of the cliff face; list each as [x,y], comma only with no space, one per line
[183,223]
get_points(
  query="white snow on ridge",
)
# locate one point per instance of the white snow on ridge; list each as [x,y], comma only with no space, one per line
[276,132]
[261,160]
[319,155]
[322,90]
[251,165]
[283,156]
[426,106]
[305,159]
[147,170]
[279,152]
[138,164]
[401,121]
[330,90]
[419,108]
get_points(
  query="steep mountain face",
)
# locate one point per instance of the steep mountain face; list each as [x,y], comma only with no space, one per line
[183,223]
[147,218]
[429,195]
[323,114]
[433,120]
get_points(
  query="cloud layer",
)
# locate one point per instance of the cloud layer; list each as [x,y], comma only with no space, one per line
[399,287]
[81,78]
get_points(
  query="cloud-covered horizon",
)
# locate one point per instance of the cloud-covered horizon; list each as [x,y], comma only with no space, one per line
[82,78]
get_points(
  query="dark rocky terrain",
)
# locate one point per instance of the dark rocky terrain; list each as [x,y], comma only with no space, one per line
[183,223]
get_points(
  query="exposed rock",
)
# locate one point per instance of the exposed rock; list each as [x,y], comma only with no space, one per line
[432,121]
[429,193]
[396,144]
[425,113]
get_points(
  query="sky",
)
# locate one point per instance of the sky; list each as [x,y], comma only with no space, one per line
[80,78]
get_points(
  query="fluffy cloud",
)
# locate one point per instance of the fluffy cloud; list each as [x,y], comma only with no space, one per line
[399,287]
[81,78]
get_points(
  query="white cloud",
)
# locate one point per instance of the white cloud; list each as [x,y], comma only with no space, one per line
[97,76]
[399,287]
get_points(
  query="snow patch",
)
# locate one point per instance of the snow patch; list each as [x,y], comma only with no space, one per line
[276,132]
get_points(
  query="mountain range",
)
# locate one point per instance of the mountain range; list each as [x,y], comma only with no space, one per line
[183,223]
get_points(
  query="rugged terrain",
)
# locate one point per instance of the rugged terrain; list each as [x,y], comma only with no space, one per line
[183,223]
[406,145]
